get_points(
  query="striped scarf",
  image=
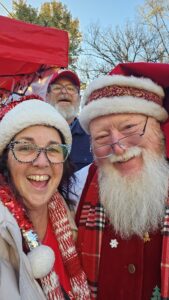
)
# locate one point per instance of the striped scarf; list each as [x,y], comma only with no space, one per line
[91,221]
[59,220]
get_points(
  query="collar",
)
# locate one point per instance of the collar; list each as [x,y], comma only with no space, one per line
[75,127]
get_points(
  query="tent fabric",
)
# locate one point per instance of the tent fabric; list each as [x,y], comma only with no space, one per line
[28,48]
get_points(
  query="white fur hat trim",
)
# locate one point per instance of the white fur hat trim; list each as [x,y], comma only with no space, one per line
[121,104]
[116,105]
[29,113]
[120,80]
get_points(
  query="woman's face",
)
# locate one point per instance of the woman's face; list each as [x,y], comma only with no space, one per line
[36,181]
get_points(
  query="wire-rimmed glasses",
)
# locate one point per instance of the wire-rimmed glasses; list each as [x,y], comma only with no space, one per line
[127,141]
[70,88]
[26,152]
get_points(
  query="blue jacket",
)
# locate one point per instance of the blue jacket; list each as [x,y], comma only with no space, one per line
[80,153]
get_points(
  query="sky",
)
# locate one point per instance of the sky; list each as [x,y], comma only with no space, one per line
[106,12]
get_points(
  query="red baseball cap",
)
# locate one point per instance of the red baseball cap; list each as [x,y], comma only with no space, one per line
[66,73]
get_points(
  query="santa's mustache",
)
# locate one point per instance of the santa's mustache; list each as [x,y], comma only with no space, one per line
[127,155]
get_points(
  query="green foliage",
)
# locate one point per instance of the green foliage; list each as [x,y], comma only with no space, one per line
[22,11]
[52,14]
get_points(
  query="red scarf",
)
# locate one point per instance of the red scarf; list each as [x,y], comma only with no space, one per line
[91,222]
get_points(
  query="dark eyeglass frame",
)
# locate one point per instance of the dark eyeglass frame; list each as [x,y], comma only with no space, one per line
[11,147]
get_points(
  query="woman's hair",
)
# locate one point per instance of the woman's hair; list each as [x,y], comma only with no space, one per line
[64,187]
[67,181]
[68,178]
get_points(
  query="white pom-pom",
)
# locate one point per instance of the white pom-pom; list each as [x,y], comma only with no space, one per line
[42,259]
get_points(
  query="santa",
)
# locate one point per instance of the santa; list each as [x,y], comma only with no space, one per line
[123,215]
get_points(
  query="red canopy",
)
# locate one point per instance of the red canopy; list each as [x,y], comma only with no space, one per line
[28,50]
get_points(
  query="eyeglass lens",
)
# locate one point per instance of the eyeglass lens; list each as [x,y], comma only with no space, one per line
[125,142]
[27,152]
[71,89]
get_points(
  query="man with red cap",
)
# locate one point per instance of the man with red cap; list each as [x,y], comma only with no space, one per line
[64,94]
[123,215]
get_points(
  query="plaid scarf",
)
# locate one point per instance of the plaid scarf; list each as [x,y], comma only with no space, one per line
[165,257]
[91,221]
[59,220]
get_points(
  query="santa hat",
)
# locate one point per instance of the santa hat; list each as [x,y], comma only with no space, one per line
[19,115]
[129,88]
[65,73]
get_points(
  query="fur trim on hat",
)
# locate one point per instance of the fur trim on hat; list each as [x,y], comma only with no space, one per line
[120,80]
[96,107]
[116,105]
[29,113]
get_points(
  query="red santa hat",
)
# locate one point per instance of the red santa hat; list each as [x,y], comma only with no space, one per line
[128,88]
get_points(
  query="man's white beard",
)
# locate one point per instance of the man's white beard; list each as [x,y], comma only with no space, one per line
[135,204]
[68,112]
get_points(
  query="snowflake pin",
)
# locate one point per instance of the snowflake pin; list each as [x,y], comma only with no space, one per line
[114,243]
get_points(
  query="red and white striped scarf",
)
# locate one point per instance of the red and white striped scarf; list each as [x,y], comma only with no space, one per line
[59,220]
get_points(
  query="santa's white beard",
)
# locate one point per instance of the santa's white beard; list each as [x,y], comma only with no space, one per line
[68,112]
[135,204]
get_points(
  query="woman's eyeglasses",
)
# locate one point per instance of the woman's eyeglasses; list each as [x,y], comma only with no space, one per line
[25,152]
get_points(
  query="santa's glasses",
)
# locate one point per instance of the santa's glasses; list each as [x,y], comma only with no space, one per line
[133,139]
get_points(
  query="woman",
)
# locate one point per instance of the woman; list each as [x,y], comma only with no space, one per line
[34,145]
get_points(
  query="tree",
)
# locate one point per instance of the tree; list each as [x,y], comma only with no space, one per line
[52,14]
[155,15]
[146,39]
[24,12]
[104,48]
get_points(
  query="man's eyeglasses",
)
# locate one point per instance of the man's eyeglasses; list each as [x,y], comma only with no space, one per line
[25,152]
[128,141]
[70,89]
